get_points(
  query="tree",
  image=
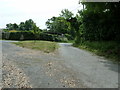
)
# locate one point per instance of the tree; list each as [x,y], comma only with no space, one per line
[36,31]
[9,26]
[29,24]
[58,24]
[61,24]
[22,26]
[12,26]
[100,21]
[15,26]
[75,24]
[66,14]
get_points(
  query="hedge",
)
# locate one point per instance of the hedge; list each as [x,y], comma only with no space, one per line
[29,36]
[18,36]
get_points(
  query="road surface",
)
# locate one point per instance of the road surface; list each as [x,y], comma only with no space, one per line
[67,67]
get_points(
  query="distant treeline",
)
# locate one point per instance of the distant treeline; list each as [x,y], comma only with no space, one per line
[27,25]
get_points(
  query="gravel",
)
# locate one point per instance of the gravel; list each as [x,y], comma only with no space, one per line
[13,77]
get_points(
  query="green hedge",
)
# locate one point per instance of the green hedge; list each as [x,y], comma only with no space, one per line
[18,36]
[29,36]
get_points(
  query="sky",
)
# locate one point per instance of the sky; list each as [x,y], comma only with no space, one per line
[16,11]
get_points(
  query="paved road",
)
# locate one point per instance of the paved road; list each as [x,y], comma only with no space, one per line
[94,71]
[69,67]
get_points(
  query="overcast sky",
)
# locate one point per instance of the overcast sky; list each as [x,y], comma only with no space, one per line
[16,11]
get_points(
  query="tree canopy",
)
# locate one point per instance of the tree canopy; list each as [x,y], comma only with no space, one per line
[27,25]
[61,23]
[100,21]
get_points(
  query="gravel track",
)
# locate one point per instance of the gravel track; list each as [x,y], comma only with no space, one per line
[68,67]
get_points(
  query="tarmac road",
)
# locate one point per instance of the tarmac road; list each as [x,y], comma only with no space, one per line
[68,67]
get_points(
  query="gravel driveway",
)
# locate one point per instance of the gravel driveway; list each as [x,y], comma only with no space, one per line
[67,67]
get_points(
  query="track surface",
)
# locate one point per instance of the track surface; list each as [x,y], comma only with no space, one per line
[68,67]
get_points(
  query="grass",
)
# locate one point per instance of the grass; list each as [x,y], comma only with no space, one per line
[109,49]
[44,46]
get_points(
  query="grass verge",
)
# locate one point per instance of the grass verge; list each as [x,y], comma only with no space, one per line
[44,46]
[109,49]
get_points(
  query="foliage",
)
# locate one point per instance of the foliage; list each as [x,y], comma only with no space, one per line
[27,25]
[25,35]
[36,31]
[98,28]
[12,26]
[100,22]
[66,14]
[18,35]
[58,24]
[61,24]
[5,30]
[75,28]
[22,26]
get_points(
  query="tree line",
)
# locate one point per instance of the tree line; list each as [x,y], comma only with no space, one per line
[27,25]
[97,21]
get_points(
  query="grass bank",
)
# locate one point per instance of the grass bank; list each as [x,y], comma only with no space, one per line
[44,46]
[109,49]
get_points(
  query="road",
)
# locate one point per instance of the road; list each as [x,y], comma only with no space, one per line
[67,67]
